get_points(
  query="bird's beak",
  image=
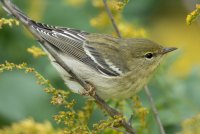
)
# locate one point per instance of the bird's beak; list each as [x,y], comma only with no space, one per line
[167,50]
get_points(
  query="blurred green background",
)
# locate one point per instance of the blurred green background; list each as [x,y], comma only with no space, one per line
[175,86]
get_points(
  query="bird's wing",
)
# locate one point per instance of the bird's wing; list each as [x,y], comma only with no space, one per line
[74,43]
[105,50]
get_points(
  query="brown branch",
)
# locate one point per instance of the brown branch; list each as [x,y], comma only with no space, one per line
[111,18]
[112,112]
[155,112]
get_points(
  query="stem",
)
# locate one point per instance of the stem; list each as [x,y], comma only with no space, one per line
[155,112]
[113,112]
[111,18]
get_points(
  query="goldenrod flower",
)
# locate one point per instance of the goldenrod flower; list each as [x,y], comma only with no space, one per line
[9,22]
[193,15]
[36,52]
[191,125]
[101,20]
[29,126]
[75,3]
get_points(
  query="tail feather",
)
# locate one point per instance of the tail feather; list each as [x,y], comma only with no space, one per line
[9,7]
[13,10]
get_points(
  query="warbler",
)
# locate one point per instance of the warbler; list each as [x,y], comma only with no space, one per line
[116,67]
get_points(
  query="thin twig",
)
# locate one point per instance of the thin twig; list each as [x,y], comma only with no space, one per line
[155,112]
[111,18]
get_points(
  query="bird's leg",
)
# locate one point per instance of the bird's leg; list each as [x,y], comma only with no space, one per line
[90,90]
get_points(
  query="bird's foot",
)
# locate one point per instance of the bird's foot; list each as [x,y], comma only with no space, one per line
[90,90]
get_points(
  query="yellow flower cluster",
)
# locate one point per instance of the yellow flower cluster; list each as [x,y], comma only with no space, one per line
[109,123]
[9,22]
[10,66]
[71,118]
[140,111]
[193,15]
[120,5]
[36,51]
[128,30]
[113,4]
[66,117]
[29,126]
[191,125]
[86,112]
[75,3]
[7,66]
[102,20]
[75,120]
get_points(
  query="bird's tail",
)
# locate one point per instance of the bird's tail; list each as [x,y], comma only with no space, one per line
[13,10]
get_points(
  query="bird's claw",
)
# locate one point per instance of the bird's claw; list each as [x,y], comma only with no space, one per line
[90,90]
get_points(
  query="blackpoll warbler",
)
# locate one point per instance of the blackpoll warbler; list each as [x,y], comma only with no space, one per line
[117,68]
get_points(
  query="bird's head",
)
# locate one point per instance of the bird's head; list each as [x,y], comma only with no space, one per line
[144,55]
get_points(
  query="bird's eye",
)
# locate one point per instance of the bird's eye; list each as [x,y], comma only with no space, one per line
[149,55]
